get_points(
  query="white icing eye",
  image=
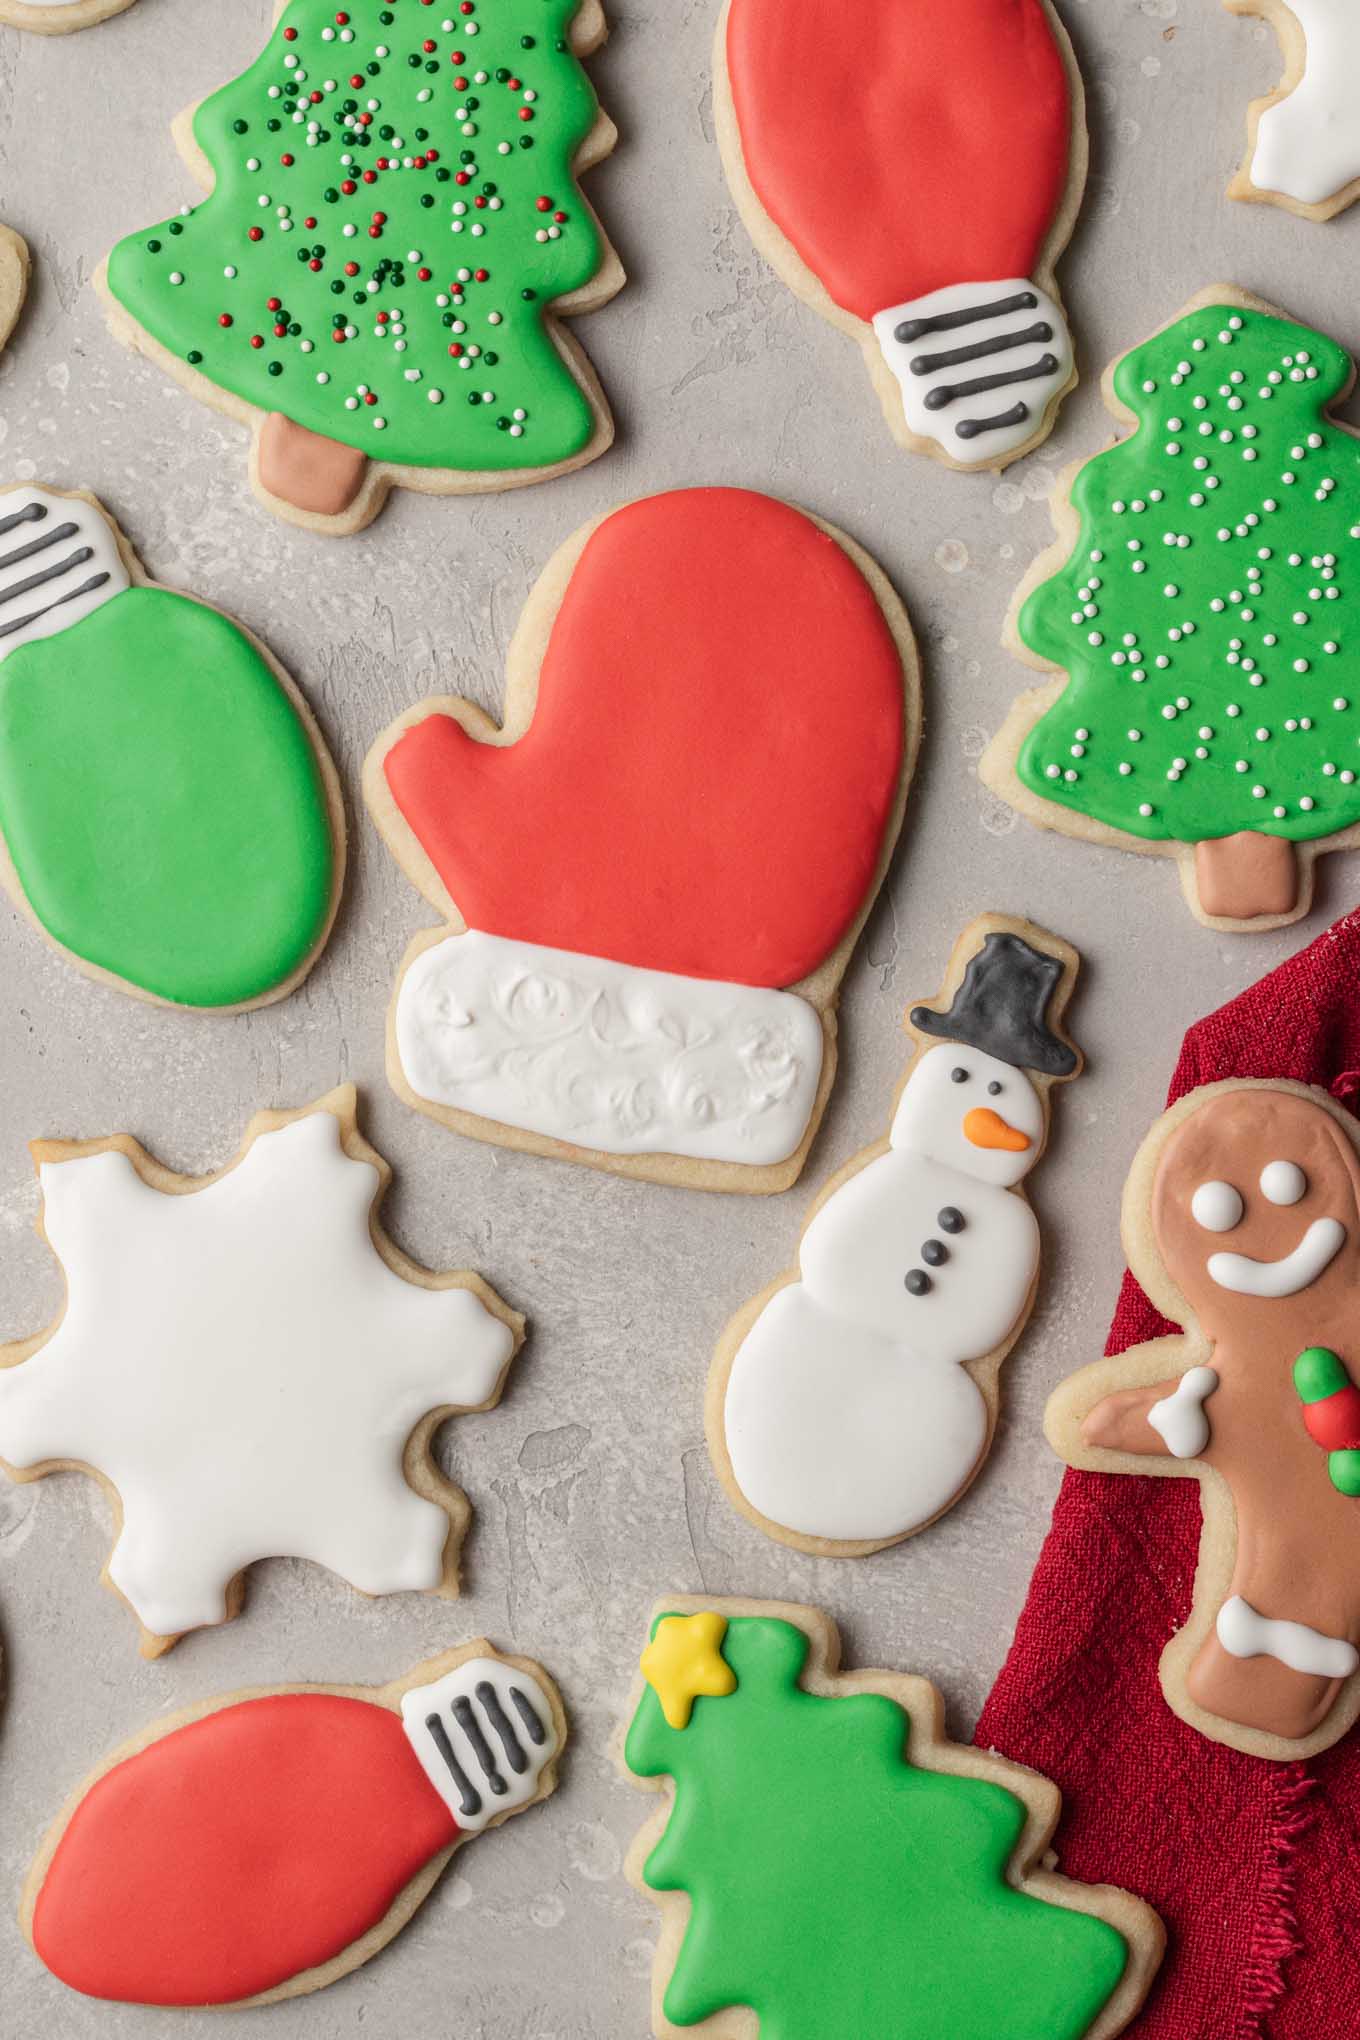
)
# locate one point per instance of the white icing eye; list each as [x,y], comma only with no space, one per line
[1283,1182]
[1217,1207]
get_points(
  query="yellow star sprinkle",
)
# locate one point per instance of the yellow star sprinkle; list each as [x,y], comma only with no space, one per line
[683,1660]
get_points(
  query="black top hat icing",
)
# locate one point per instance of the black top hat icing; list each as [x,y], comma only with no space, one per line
[1000,1008]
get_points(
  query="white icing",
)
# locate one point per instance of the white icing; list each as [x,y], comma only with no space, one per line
[440,1729]
[246,1369]
[1292,1272]
[1283,1182]
[1181,1418]
[607,1056]
[1246,1634]
[848,1414]
[72,547]
[1046,354]
[1308,144]
[1217,1207]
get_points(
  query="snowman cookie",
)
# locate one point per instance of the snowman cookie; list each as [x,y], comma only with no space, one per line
[852,1402]
[58,17]
[208,864]
[654,870]
[14,273]
[251,1368]
[915,184]
[1242,1223]
[261,1845]
[1303,149]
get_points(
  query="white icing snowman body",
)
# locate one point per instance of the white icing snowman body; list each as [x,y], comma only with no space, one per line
[848,1413]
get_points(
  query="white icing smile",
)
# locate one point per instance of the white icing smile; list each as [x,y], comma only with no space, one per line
[1291,1273]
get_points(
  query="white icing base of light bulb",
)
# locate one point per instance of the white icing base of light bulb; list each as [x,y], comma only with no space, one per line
[59,560]
[484,1735]
[977,365]
[606,1055]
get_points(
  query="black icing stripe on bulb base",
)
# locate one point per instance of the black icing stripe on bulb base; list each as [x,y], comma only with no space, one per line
[69,565]
[1014,324]
[484,1736]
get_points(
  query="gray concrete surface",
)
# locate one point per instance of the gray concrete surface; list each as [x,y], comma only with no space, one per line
[592,1487]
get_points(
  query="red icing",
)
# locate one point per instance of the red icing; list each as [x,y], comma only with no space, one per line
[901,145]
[1334,1423]
[713,761]
[237,1852]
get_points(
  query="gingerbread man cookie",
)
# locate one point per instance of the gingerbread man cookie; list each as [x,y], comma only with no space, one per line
[251,1368]
[1303,150]
[261,1845]
[914,178]
[1242,1222]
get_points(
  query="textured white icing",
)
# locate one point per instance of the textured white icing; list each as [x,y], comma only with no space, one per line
[1246,1634]
[1319,1246]
[1308,144]
[1048,355]
[848,1414]
[606,1056]
[1181,1418]
[68,535]
[246,1369]
[437,1718]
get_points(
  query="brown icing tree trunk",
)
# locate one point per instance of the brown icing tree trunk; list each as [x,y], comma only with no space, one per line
[1246,876]
[319,476]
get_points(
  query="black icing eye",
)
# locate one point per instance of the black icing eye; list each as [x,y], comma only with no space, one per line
[950,1219]
[918,1282]
[958,1075]
[994,1089]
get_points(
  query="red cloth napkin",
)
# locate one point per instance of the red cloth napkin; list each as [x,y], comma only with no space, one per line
[1254,1867]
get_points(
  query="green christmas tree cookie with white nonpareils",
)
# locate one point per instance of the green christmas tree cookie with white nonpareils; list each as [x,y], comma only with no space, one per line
[831,1868]
[1198,605]
[392,229]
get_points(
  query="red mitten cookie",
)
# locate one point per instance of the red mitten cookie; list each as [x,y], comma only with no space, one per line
[658,866]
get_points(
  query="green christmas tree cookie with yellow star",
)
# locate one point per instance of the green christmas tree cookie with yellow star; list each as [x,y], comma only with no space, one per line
[829,1867]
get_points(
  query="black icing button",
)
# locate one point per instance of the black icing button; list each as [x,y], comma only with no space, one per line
[918,1282]
[934,1253]
[950,1219]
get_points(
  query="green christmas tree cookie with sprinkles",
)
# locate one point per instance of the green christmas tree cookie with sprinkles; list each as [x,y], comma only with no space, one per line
[830,1867]
[1198,606]
[392,233]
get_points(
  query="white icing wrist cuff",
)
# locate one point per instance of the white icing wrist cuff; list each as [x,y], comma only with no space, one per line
[1246,1634]
[977,364]
[608,1056]
[484,1735]
[1180,1418]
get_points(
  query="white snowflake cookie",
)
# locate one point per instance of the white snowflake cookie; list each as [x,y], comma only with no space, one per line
[251,1367]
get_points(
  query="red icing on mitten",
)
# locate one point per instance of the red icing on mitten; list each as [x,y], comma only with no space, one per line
[900,148]
[237,1852]
[713,762]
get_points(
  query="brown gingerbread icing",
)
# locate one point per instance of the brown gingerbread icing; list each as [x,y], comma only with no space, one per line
[314,474]
[1297,1555]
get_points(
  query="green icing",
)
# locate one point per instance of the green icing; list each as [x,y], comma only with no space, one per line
[161,802]
[838,1891]
[1202,617]
[506,399]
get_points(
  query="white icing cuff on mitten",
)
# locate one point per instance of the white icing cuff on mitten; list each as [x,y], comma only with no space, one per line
[606,1055]
[1245,1634]
[977,364]
[59,560]
[484,1735]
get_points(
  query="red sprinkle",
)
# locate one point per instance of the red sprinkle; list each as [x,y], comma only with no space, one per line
[257,340]
[456,348]
[526,113]
[225,319]
[256,234]
[543,204]
[481,275]
[287,162]
[274,304]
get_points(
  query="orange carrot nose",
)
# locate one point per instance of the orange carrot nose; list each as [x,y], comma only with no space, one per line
[987,1129]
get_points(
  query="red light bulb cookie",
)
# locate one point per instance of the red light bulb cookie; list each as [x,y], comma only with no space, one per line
[914,178]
